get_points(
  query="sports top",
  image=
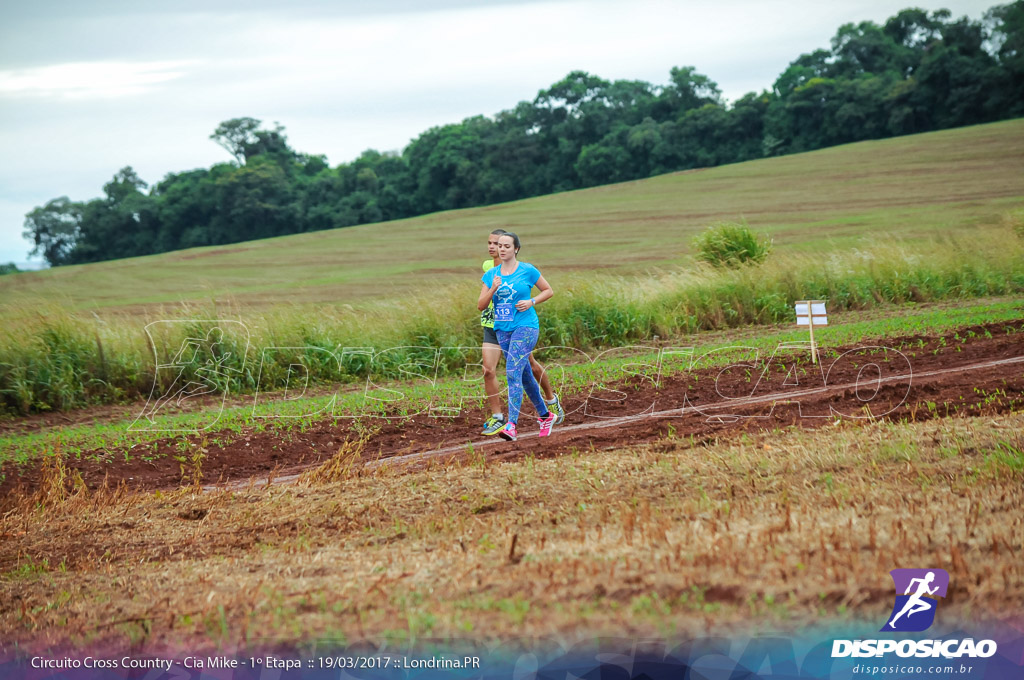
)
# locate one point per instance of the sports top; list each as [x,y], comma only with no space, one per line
[514,287]
[487,316]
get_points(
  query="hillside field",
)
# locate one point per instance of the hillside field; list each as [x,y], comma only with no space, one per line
[828,201]
[710,479]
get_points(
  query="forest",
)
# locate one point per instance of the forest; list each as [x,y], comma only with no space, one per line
[917,72]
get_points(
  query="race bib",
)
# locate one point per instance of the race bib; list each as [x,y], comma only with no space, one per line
[504,311]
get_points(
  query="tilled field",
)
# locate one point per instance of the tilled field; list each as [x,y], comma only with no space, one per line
[974,370]
[669,511]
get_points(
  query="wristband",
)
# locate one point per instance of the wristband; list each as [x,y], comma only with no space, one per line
[533,302]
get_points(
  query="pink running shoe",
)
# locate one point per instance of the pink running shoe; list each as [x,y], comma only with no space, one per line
[546,423]
[509,432]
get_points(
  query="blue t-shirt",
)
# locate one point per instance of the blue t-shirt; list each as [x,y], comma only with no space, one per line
[514,287]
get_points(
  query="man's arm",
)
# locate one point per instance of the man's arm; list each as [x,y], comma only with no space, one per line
[486,294]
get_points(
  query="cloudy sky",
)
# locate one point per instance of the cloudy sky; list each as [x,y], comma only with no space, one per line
[89,87]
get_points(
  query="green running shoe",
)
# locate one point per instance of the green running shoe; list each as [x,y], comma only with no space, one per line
[493,425]
[556,408]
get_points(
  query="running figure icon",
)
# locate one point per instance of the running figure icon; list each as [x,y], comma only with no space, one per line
[915,604]
[209,377]
[202,366]
[917,593]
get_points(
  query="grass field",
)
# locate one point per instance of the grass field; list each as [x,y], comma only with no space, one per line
[314,531]
[854,196]
[59,360]
[940,220]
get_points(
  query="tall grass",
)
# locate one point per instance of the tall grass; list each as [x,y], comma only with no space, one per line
[61,360]
[1015,220]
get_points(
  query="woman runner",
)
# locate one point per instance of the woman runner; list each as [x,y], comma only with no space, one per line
[509,285]
[491,353]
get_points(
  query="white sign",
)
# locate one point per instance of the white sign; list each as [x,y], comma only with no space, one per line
[811,313]
[818,310]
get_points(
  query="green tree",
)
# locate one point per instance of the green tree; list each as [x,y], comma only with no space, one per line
[915,28]
[746,125]
[959,82]
[604,162]
[567,97]
[518,159]
[243,139]
[185,205]
[236,136]
[255,201]
[688,90]
[914,32]
[864,48]
[1007,36]
[817,64]
[120,225]
[447,164]
[54,229]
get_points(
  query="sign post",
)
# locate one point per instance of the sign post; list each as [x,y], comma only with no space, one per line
[811,313]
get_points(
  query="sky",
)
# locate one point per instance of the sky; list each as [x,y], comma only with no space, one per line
[87,88]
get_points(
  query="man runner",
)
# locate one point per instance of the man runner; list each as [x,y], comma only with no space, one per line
[492,352]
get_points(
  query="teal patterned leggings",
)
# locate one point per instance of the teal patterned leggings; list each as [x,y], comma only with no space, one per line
[517,345]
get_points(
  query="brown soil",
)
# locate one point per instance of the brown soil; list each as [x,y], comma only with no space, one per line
[776,392]
[114,413]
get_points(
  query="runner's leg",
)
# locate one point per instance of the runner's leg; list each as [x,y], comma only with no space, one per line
[551,399]
[491,355]
[515,387]
[517,367]
[541,376]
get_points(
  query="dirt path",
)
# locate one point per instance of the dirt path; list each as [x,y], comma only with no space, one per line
[973,370]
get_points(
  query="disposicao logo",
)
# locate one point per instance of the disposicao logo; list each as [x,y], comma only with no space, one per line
[914,611]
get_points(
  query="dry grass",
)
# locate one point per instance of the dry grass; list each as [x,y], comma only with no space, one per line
[776,531]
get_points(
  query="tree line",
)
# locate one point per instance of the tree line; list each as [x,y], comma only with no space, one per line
[919,71]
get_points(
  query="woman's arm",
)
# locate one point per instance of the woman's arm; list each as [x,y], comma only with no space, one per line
[545,294]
